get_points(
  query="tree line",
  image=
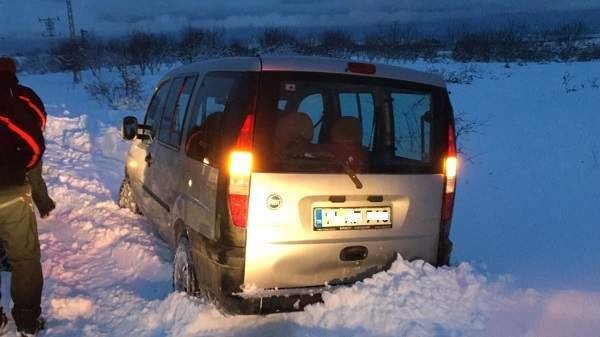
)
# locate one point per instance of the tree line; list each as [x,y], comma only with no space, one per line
[147,51]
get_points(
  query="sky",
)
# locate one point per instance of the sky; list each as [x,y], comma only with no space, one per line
[109,17]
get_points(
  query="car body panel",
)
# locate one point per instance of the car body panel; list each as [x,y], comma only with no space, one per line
[197,201]
[283,250]
[139,174]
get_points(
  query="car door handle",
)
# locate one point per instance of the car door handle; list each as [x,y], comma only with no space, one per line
[148,159]
[354,253]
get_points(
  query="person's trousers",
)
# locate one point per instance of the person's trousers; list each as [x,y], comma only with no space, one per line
[18,232]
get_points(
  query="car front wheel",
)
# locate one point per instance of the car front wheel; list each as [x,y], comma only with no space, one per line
[126,197]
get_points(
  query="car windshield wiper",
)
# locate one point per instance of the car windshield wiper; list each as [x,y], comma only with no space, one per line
[351,173]
[346,165]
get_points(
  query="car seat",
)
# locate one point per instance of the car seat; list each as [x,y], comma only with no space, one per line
[293,133]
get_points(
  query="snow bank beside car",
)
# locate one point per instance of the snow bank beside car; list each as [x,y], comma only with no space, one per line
[71,308]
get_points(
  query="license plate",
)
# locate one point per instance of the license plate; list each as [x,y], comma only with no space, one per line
[345,218]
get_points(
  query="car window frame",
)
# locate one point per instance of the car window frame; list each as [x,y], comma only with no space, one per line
[157,119]
[382,145]
[389,94]
[177,146]
[357,91]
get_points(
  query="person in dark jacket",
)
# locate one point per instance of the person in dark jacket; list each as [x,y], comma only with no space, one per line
[39,190]
[21,148]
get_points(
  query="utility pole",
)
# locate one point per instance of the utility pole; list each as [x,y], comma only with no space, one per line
[71,21]
[76,44]
[50,25]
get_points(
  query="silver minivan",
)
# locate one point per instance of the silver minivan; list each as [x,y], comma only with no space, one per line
[274,177]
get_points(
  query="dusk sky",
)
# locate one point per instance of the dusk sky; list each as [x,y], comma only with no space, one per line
[20,18]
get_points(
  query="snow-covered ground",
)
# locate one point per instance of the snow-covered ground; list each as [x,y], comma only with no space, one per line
[526,227]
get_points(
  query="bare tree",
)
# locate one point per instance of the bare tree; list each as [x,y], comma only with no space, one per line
[237,48]
[197,43]
[274,38]
[126,90]
[146,50]
[97,56]
[568,35]
[465,127]
[335,42]
[401,40]
[70,54]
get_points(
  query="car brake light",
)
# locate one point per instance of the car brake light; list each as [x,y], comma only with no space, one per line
[240,170]
[361,68]
[450,171]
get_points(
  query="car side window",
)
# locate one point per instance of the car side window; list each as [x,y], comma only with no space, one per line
[171,124]
[208,109]
[155,109]
[412,125]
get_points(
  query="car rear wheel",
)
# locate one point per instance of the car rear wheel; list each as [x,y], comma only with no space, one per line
[126,197]
[184,279]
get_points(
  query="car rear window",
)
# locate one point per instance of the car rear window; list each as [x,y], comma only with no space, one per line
[308,122]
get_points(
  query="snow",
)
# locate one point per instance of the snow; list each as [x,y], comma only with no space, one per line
[526,227]
[71,308]
[529,200]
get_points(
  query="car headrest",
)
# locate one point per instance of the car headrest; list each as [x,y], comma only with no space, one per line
[293,126]
[209,129]
[213,119]
[347,130]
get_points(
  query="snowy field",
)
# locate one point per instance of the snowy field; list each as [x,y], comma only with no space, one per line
[526,227]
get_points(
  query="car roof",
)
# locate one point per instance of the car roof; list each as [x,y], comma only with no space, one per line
[305,64]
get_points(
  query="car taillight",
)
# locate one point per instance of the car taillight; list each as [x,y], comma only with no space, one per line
[240,169]
[450,170]
[240,163]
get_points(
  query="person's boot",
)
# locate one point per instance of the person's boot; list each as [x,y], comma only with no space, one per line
[41,324]
[4,264]
[3,322]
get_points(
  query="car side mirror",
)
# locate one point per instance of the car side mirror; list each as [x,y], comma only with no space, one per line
[129,129]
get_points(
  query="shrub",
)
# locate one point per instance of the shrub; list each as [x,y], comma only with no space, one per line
[125,91]
[274,38]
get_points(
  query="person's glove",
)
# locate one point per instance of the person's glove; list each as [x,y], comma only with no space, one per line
[45,206]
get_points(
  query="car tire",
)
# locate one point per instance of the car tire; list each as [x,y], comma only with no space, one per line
[184,278]
[126,197]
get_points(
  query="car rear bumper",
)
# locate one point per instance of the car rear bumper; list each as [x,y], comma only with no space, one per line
[262,305]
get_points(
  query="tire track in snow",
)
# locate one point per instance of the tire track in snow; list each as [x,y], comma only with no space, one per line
[100,262]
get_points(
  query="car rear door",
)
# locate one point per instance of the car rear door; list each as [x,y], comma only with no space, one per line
[216,92]
[325,214]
